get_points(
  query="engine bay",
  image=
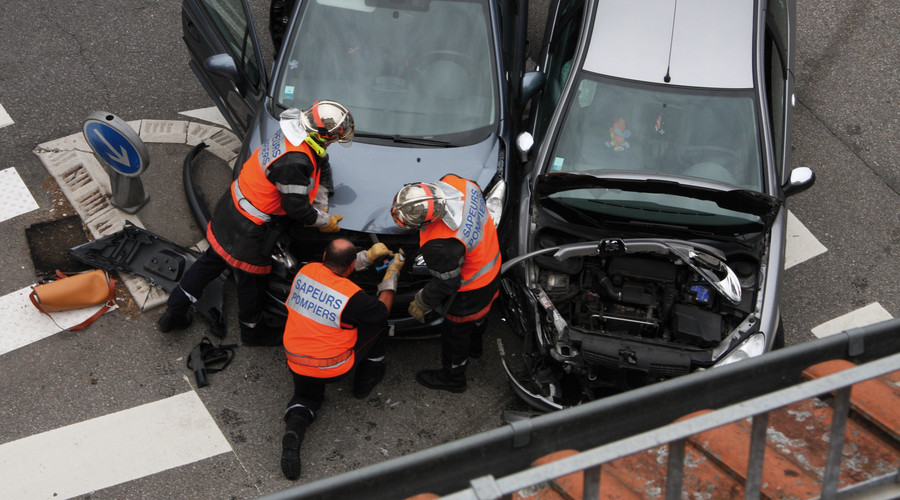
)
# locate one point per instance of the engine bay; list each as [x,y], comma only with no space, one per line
[645,295]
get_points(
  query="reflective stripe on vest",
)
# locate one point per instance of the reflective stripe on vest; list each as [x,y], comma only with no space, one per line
[334,362]
[315,342]
[247,208]
[254,195]
[476,231]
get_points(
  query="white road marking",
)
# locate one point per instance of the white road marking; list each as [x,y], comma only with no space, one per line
[870,314]
[24,324]
[4,118]
[110,450]
[211,114]
[15,198]
[801,245]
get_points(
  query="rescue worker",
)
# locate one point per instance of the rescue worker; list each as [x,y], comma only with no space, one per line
[458,241]
[288,175]
[332,326]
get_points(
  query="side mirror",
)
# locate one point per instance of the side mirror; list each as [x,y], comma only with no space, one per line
[524,143]
[222,65]
[532,83]
[802,178]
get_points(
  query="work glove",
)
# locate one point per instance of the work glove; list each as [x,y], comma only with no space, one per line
[417,308]
[332,226]
[365,258]
[391,276]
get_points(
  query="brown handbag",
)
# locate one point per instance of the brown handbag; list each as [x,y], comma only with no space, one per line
[74,292]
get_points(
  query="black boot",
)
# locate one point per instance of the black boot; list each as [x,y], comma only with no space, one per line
[368,375]
[171,320]
[442,380]
[290,444]
[261,335]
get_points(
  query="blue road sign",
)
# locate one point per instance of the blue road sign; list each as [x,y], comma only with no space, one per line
[116,143]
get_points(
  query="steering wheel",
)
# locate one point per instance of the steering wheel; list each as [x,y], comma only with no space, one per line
[464,60]
[691,155]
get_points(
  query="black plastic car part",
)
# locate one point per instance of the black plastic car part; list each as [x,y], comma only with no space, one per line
[137,251]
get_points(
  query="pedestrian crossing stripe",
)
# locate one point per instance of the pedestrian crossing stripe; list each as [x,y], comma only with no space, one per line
[112,449]
[15,198]
[24,324]
[868,315]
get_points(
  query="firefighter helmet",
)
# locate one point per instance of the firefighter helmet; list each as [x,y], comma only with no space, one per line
[329,121]
[418,204]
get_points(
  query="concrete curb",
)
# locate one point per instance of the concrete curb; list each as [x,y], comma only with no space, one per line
[85,182]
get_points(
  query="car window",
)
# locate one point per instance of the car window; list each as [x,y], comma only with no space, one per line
[560,52]
[775,75]
[403,67]
[616,125]
[231,22]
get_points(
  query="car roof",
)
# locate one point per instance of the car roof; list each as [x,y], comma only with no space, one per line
[711,41]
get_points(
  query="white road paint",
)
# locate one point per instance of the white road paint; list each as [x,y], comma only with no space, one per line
[110,450]
[211,114]
[870,314]
[801,245]
[4,118]
[15,198]
[24,324]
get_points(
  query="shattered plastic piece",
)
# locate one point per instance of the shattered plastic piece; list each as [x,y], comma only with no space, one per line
[138,251]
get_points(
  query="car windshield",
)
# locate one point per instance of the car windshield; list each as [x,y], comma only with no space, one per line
[612,125]
[404,68]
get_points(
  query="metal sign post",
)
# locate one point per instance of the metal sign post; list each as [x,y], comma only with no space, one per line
[120,147]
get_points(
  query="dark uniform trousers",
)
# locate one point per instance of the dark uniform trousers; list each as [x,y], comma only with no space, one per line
[309,392]
[250,287]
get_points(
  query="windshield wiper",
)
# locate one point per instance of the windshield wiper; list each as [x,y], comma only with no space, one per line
[401,139]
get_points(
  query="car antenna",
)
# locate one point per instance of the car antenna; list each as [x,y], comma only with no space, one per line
[668,77]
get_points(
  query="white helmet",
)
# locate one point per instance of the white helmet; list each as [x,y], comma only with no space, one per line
[327,120]
[418,204]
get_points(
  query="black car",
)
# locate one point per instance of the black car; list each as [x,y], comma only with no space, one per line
[433,87]
[649,240]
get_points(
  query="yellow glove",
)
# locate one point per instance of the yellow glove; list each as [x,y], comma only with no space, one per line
[378,251]
[391,276]
[418,309]
[365,258]
[332,226]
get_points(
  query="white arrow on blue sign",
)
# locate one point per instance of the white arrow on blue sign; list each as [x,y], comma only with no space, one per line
[116,143]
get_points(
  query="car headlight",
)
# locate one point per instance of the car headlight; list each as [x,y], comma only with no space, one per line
[754,345]
[494,200]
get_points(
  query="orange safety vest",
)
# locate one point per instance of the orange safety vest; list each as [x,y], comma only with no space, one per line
[317,344]
[253,194]
[476,232]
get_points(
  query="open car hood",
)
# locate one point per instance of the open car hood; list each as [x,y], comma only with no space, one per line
[723,195]
[705,260]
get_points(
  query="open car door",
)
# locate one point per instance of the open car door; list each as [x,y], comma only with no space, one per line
[226,57]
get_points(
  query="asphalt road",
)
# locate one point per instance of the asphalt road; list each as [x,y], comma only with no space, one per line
[61,61]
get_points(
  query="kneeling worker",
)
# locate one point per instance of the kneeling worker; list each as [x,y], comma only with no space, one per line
[332,325]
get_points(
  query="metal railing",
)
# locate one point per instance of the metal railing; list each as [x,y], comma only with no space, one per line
[637,420]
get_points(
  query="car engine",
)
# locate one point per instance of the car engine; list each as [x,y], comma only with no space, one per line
[648,297]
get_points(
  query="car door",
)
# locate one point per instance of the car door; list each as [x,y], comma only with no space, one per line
[226,57]
[563,31]
[779,80]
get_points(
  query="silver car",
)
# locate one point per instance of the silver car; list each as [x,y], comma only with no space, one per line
[651,231]
[433,86]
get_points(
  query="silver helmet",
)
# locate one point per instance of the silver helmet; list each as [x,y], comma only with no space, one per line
[328,120]
[418,204]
